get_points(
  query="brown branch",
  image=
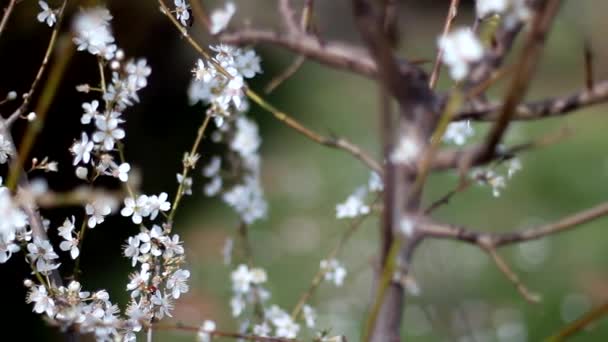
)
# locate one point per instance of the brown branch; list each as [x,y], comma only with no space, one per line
[509,273]
[337,55]
[449,19]
[551,107]
[7,13]
[429,228]
[455,158]
[288,16]
[523,73]
[27,97]
[590,317]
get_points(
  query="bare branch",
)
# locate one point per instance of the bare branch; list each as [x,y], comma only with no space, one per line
[547,108]
[523,73]
[337,55]
[288,16]
[460,233]
[7,14]
[590,317]
[449,19]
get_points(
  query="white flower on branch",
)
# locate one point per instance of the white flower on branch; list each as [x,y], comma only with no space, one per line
[122,172]
[333,271]
[98,210]
[283,323]
[47,14]
[90,112]
[42,256]
[375,182]
[310,316]
[92,31]
[354,205]
[186,183]
[177,283]
[220,18]
[158,203]
[247,199]
[43,302]
[458,132]
[163,304]
[460,49]
[182,11]
[406,151]
[136,208]
[5,149]
[138,73]
[107,131]
[204,332]
[13,220]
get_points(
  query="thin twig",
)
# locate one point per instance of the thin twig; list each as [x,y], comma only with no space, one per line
[339,143]
[523,73]
[318,278]
[449,19]
[586,320]
[510,274]
[7,13]
[547,108]
[66,57]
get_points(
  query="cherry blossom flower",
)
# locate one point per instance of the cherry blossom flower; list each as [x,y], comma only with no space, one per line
[460,49]
[43,302]
[47,14]
[406,152]
[136,208]
[334,271]
[158,203]
[5,149]
[82,149]
[353,206]
[65,231]
[458,132]
[108,132]
[177,283]
[163,304]
[90,112]
[97,211]
[204,332]
[221,17]
[182,11]
[186,183]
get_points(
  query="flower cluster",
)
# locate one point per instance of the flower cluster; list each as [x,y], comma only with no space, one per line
[333,271]
[225,95]
[458,132]
[355,203]
[461,48]
[13,225]
[494,179]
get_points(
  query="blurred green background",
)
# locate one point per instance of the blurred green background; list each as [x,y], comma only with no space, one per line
[463,296]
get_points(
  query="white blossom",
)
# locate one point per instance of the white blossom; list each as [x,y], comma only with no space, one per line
[43,302]
[47,14]
[186,184]
[248,63]
[182,11]
[221,17]
[177,283]
[458,132]
[334,271]
[5,149]
[353,206]
[460,49]
[65,231]
[122,172]
[158,203]
[136,208]
[163,304]
[97,211]
[214,186]
[248,200]
[92,31]
[375,182]
[12,219]
[108,132]
[205,330]
[90,112]
[213,168]
[310,316]
[42,256]
[138,72]
[406,151]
